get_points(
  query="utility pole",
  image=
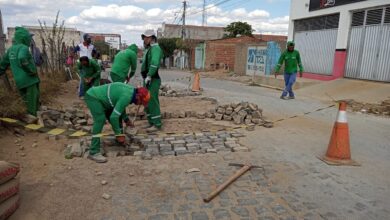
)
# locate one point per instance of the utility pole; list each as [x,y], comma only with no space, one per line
[183,27]
[204,14]
[183,34]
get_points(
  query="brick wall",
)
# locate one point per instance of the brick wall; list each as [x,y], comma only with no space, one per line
[222,53]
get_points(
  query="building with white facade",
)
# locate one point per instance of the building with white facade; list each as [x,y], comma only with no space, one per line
[342,38]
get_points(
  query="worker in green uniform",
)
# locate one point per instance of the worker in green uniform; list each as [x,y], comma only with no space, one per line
[19,58]
[291,59]
[109,102]
[125,64]
[89,71]
[149,71]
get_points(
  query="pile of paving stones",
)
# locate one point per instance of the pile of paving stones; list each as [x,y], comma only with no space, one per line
[240,113]
[70,118]
[166,90]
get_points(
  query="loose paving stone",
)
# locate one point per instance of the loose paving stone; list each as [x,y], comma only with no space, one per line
[266,218]
[224,203]
[165,147]
[329,215]
[192,197]
[310,205]
[159,217]
[186,207]
[246,202]
[181,151]
[237,135]
[104,182]
[261,210]
[106,196]
[278,209]
[165,208]
[177,142]
[243,194]
[199,215]
[211,150]
[205,146]
[181,216]
[240,149]
[169,138]
[167,153]
[143,210]
[288,218]
[232,145]
[241,211]
[222,148]
[138,153]
[209,205]
[221,214]
[360,206]
[146,156]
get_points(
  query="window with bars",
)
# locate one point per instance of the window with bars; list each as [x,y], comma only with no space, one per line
[317,23]
[371,17]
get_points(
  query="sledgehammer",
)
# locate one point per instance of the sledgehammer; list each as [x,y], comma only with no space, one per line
[240,172]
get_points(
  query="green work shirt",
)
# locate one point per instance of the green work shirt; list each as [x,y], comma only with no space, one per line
[123,61]
[291,61]
[151,60]
[19,58]
[116,97]
[92,70]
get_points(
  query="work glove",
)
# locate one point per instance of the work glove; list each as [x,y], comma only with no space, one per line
[127,79]
[148,80]
[300,74]
[121,139]
[276,74]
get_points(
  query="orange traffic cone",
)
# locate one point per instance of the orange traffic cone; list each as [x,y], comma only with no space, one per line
[196,83]
[339,152]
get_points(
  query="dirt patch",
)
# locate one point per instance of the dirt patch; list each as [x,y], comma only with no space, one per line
[382,108]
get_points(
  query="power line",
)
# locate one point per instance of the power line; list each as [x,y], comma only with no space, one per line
[204,19]
[210,7]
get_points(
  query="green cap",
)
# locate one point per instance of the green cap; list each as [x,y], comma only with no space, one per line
[290,43]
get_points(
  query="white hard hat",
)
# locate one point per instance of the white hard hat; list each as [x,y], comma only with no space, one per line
[148,33]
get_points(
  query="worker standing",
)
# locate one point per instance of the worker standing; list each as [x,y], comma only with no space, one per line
[125,64]
[149,71]
[109,102]
[84,49]
[19,58]
[291,59]
[89,71]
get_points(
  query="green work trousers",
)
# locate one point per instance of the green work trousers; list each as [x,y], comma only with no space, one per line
[99,116]
[153,112]
[116,78]
[30,96]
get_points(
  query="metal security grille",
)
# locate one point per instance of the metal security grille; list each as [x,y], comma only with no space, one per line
[317,23]
[369,45]
[316,37]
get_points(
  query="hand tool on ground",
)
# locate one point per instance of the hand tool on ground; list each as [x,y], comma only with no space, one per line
[240,172]
[132,130]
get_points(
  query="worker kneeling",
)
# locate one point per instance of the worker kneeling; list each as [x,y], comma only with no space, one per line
[109,102]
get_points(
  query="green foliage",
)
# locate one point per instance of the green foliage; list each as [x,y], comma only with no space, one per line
[238,28]
[168,45]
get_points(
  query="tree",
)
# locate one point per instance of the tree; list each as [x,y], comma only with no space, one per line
[238,28]
[168,46]
[53,44]
[102,47]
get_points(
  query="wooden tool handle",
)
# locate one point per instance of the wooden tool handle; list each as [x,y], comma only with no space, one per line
[239,173]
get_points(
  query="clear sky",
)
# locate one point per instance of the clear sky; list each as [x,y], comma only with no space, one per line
[131,17]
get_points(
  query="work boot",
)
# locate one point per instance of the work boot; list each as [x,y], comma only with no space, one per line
[291,97]
[146,126]
[283,97]
[152,129]
[98,158]
[29,119]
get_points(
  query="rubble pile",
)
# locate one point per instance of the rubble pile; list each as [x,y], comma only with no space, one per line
[240,113]
[70,118]
[382,108]
[166,90]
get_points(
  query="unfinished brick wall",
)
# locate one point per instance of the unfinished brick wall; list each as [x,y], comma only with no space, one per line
[221,53]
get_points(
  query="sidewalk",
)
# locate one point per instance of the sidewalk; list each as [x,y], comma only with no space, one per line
[359,90]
